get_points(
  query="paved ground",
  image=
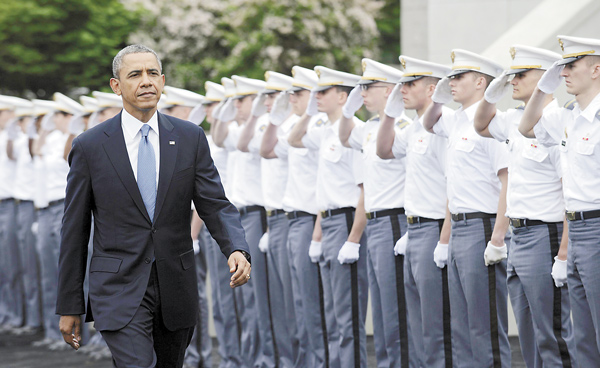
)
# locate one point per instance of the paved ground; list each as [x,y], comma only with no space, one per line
[17,352]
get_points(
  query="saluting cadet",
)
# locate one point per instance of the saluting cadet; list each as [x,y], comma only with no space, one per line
[301,211]
[109,105]
[577,134]
[80,122]
[427,294]
[339,197]
[535,207]
[476,187]
[386,221]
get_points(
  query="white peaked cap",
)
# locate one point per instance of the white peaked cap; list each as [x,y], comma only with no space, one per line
[330,78]
[107,99]
[12,103]
[214,92]
[229,86]
[277,82]
[43,107]
[577,47]
[90,104]
[182,97]
[304,78]
[415,69]
[464,61]
[247,86]
[526,58]
[66,104]
[374,71]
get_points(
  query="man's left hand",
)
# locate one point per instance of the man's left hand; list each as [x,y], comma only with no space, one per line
[70,328]
[494,254]
[240,268]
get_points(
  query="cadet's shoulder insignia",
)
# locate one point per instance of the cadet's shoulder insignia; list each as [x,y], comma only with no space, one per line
[598,114]
[262,128]
[376,117]
[520,107]
[402,123]
[319,123]
[570,104]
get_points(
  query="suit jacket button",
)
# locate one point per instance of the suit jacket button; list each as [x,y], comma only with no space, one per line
[147,260]
[153,231]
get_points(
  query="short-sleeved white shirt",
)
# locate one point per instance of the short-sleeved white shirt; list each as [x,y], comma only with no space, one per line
[7,169]
[340,168]
[577,134]
[383,179]
[425,190]
[534,172]
[473,163]
[56,166]
[24,188]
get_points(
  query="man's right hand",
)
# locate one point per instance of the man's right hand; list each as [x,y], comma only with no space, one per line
[228,111]
[551,79]
[70,328]
[394,107]
[311,107]
[443,92]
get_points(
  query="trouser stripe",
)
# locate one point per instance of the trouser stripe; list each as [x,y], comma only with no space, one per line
[354,288]
[446,312]
[263,220]
[487,228]
[402,322]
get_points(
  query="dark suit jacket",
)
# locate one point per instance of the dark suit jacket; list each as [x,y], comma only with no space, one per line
[101,182]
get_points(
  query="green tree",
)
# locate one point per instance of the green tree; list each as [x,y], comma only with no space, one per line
[57,45]
[388,24]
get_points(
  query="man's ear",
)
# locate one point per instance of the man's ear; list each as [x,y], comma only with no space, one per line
[430,89]
[480,83]
[342,97]
[115,85]
[596,71]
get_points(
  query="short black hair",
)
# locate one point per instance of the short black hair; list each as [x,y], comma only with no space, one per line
[344,89]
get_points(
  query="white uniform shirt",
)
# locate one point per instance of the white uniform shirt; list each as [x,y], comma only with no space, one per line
[7,169]
[340,168]
[577,134]
[220,157]
[425,189]
[472,165]
[384,179]
[56,167]
[534,172]
[300,191]
[24,188]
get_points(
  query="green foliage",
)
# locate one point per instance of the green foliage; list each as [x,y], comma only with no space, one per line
[389,26]
[57,45]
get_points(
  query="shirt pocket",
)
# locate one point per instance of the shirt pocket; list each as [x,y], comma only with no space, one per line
[464,145]
[420,146]
[585,148]
[332,152]
[535,153]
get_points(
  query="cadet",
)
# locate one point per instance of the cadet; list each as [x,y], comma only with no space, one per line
[577,134]
[476,186]
[427,295]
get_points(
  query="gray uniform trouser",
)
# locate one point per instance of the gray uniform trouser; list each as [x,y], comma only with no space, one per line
[308,294]
[281,292]
[198,353]
[49,225]
[478,298]
[348,285]
[257,327]
[29,263]
[542,310]
[393,341]
[584,288]
[427,296]
[11,285]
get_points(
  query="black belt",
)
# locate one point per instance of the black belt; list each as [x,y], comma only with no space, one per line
[248,209]
[296,214]
[517,223]
[417,219]
[271,213]
[19,201]
[384,213]
[582,215]
[472,215]
[6,200]
[337,211]
[53,203]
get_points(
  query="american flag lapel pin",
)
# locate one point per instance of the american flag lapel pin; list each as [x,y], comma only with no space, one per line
[172,143]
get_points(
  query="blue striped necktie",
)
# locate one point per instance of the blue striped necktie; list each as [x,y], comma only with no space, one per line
[146,172]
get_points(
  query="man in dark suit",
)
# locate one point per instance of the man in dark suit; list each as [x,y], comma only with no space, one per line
[137,173]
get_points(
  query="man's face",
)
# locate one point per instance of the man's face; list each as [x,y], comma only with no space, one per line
[108,113]
[270,98]
[5,116]
[209,108]
[24,123]
[414,94]
[463,87]
[330,100]
[180,112]
[524,84]
[140,82]
[61,120]
[244,107]
[578,76]
[375,95]
[299,101]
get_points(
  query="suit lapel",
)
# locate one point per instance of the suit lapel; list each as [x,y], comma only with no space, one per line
[116,151]
[168,155]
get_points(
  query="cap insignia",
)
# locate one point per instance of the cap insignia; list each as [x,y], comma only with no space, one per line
[562,46]
[403,63]
[364,66]
[452,56]
[513,52]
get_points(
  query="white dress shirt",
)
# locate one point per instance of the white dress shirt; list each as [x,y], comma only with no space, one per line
[24,188]
[577,134]
[56,167]
[133,135]
[7,169]
[534,172]
[472,165]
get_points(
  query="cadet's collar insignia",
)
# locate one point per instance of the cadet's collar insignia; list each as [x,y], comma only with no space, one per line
[376,117]
[369,137]
[319,123]
[452,56]
[364,66]
[262,128]
[403,63]
[513,52]
[570,105]
[401,123]
[562,46]
[520,107]
[566,136]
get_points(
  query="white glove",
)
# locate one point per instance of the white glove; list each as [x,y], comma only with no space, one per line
[228,111]
[216,111]
[34,228]
[494,254]
[497,88]
[400,247]
[263,244]
[311,107]
[443,92]
[281,109]
[198,114]
[32,130]
[258,105]
[394,107]
[12,129]
[315,251]
[76,125]
[551,79]
[440,255]
[353,103]
[348,253]
[559,272]
[196,246]
[48,123]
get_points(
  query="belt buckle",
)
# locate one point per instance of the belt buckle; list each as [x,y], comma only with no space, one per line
[270,213]
[324,213]
[411,219]
[571,215]
[517,223]
[369,215]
